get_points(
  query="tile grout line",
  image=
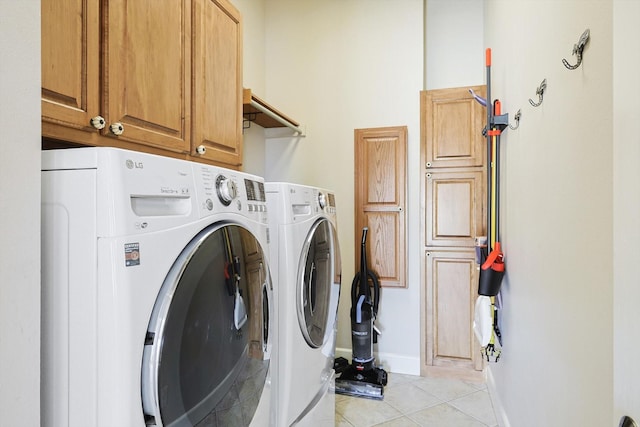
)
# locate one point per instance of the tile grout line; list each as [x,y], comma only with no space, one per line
[449,401]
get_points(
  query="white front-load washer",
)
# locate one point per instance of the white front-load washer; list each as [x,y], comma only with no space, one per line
[306,272]
[156,293]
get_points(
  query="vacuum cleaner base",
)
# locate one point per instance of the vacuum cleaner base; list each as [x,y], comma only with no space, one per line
[368,384]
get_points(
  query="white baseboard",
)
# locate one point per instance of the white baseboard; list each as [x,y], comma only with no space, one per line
[391,362]
[501,415]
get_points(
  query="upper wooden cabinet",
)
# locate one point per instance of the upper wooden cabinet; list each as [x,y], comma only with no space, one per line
[217,81]
[146,79]
[162,76]
[452,127]
[70,63]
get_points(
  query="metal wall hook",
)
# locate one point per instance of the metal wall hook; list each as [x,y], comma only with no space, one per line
[517,119]
[540,93]
[627,421]
[577,50]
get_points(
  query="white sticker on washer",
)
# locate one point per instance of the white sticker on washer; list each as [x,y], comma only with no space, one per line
[131,254]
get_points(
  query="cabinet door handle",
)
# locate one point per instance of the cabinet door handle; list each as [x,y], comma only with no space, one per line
[116,128]
[98,122]
[201,149]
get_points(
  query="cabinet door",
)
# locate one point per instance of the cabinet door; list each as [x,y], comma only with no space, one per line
[217,93]
[452,288]
[452,127]
[70,62]
[380,198]
[455,207]
[147,71]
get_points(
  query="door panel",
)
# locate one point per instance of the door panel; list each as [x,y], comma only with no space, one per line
[455,207]
[315,283]
[213,294]
[453,127]
[148,65]
[382,239]
[380,164]
[70,62]
[217,77]
[451,276]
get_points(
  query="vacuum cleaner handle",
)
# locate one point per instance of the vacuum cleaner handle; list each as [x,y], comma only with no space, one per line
[360,285]
[376,291]
[364,235]
[363,263]
[363,285]
[356,286]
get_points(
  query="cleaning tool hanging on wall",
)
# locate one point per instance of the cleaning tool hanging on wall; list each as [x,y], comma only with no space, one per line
[492,266]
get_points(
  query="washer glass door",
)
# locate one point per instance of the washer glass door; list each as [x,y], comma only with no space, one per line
[207,348]
[318,276]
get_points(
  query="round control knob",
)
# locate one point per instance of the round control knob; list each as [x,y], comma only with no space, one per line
[226,189]
[98,122]
[116,129]
[201,149]
[322,200]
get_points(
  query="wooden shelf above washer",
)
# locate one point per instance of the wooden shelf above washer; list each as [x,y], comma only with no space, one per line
[261,113]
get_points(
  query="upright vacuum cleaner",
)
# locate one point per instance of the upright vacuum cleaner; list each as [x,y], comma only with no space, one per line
[362,378]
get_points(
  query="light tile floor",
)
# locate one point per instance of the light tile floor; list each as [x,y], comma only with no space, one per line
[411,401]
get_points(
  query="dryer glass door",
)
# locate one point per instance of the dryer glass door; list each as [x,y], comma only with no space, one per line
[318,276]
[207,352]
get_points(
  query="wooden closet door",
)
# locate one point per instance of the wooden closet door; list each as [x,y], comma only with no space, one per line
[453,188]
[380,201]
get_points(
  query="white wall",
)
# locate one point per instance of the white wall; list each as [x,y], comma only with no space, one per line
[557,213]
[626,205]
[20,213]
[336,66]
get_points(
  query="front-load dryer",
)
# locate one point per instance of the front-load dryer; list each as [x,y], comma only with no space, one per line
[156,293]
[306,272]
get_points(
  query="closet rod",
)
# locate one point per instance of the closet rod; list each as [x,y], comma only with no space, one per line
[274,116]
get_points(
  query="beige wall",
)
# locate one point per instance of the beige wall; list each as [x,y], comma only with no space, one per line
[20,213]
[454,43]
[626,205]
[253,64]
[557,213]
[337,66]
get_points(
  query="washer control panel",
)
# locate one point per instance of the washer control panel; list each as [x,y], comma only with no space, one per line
[225,190]
[327,202]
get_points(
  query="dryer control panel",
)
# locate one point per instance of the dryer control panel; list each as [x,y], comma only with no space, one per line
[297,203]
